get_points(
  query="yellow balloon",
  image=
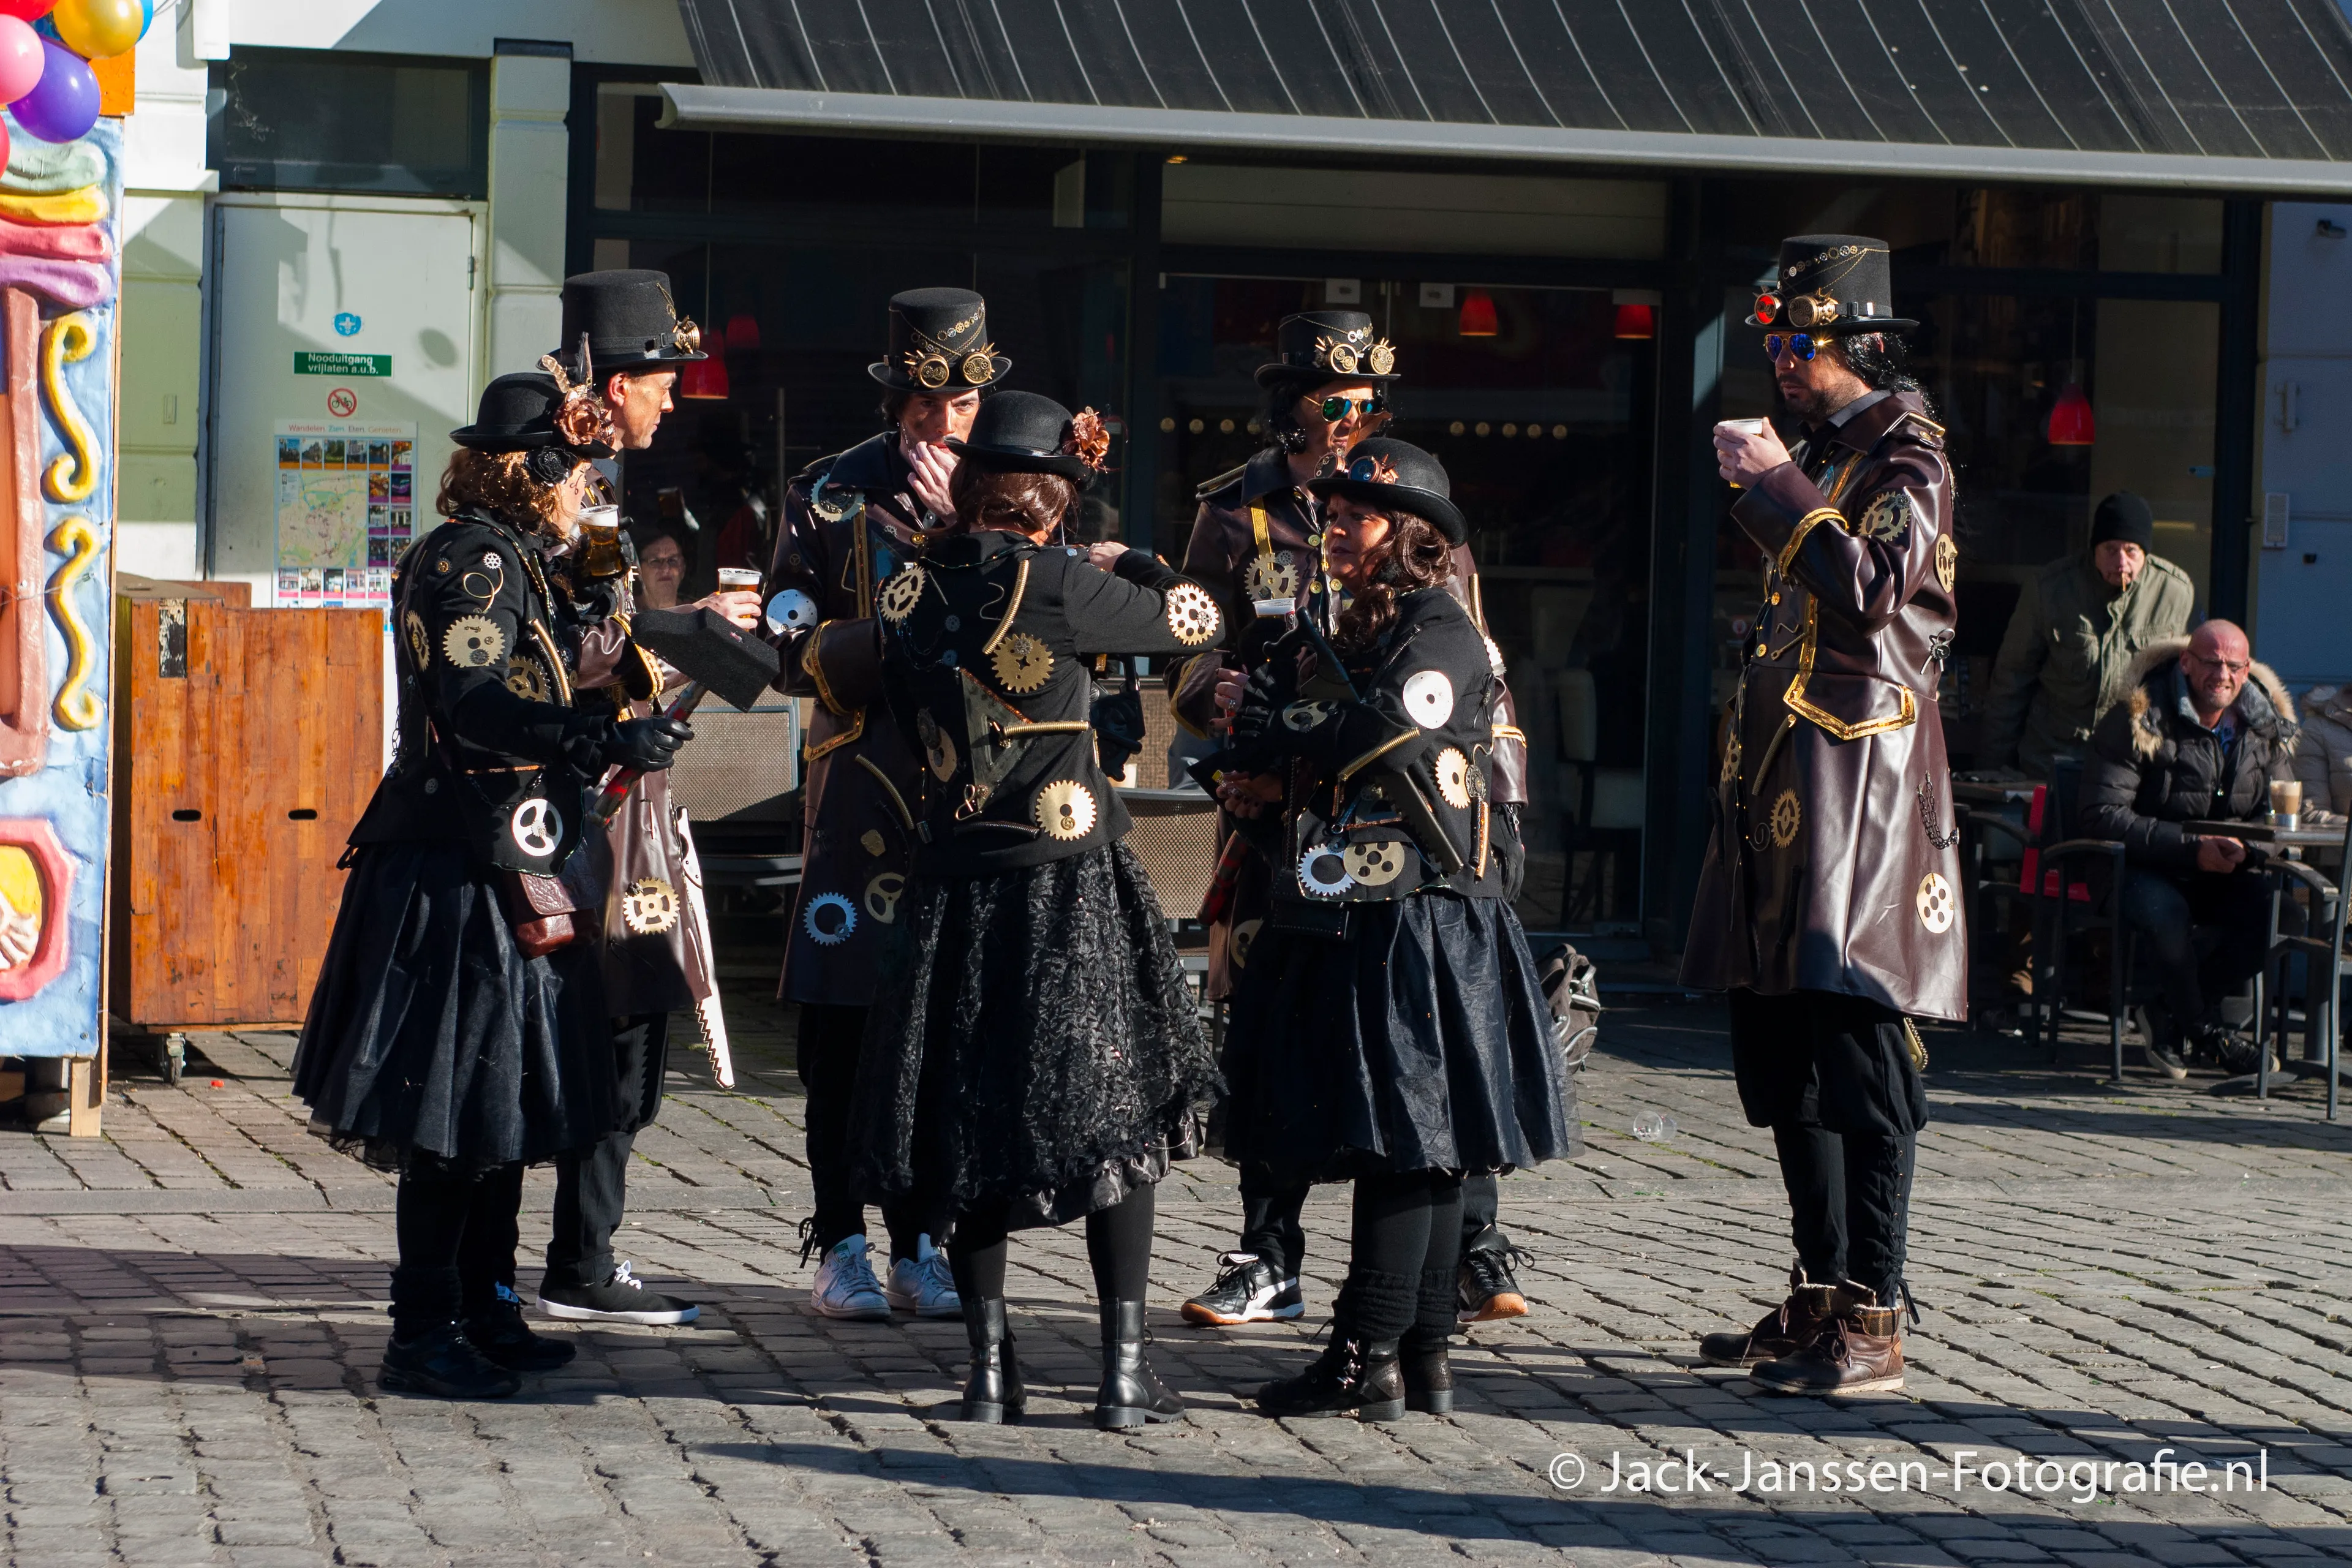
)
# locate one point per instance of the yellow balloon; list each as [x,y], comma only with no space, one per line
[100,29]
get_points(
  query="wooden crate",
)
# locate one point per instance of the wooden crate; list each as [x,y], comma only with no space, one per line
[247,744]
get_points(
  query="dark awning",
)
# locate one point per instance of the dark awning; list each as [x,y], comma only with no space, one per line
[2235,94]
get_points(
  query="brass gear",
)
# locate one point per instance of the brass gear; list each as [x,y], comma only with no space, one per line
[1375,865]
[1022,663]
[1065,809]
[899,595]
[1453,780]
[474,642]
[1272,577]
[1936,909]
[1787,817]
[1948,561]
[649,907]
[420,647]
[526,680]
[1192,614]
[1383,358]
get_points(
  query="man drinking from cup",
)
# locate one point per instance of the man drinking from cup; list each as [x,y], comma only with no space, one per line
[2205,733]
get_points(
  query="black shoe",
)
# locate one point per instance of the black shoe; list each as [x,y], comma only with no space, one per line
[1248,1291]
[1488,1290]
[1428,1372]
[1130,1394]
[2166,1059]
[442,1362]
[499,1334]
[993,1393]
[1352,1377]
[621,1299]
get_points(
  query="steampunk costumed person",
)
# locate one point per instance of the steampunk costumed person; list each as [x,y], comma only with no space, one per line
[1391,1027]
[852,522]
[1258,540]
[1828,906]
[1034,1051]
[623,341]
[459,1031]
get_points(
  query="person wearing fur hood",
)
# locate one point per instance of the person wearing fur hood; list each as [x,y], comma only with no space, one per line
[2323,761]
[2201,736]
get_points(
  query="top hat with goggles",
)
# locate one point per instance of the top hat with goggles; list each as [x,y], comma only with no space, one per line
[630,321]
[939,344]
[1831,284]
[1328,345]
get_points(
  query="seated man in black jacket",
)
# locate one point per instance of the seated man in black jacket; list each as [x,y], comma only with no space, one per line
[2196,740]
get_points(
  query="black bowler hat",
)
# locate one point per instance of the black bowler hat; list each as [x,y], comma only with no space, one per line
[1326,345]
[939,344]
[1384,472]
[517,414]
[1022,433]
[631,320]
[1831,284]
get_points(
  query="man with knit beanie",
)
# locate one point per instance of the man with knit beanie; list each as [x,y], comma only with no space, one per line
[2080,625]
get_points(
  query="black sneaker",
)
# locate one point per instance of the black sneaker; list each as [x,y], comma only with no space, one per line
[2166,1059]
[1488,1290]
[1246,1292]
[442,1362]
[500,1334]
[622,1298]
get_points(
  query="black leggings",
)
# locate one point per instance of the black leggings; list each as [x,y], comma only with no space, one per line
[1407,1244]
[829,1042]
[1119,1244]
[457,1234]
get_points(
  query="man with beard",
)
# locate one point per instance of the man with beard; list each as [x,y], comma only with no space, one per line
[1828,902]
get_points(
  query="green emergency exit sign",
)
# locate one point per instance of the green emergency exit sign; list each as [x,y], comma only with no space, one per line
[342,364]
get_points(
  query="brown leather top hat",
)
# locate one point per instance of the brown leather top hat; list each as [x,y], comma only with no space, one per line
[1831,284]
[939,344]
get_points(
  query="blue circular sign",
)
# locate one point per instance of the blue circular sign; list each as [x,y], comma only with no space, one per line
[347,324]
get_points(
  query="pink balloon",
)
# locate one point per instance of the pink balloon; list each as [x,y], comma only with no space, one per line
[21,58]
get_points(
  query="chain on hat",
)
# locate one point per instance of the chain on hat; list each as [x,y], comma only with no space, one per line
[932,362]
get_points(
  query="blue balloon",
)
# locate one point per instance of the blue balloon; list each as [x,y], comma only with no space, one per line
[63,106]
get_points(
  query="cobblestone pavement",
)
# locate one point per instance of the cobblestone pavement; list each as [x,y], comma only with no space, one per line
[190,1319]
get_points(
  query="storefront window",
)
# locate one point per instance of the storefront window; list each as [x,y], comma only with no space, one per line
[312,119]
[1544,427]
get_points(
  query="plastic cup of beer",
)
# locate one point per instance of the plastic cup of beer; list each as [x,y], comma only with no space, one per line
[2286,803]
[1745,427]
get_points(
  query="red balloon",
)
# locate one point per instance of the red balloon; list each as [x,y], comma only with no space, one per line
[27,10]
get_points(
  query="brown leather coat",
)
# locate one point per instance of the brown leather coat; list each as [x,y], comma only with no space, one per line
[850,524]
[1833,864]
[1227,555]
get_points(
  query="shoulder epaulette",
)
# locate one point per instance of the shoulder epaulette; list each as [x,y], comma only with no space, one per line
[1932,432]
[1210,487]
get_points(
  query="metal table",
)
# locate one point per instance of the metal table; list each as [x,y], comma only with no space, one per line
[2292,842]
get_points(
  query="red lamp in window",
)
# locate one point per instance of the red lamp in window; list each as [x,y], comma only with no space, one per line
[742,333]
[1637,321]
[1478,319]
[704,378]
[2070,420]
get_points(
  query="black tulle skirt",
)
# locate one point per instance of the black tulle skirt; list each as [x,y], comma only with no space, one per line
[1033,1041]
[431,1035]
[1419,1042]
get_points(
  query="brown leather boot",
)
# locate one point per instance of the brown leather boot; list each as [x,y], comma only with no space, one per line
[1784,1330]
[1859,1351]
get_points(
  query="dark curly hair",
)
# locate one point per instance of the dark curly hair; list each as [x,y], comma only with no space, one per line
[1413,555]
[1883,360]
[1024,503]
[504,484]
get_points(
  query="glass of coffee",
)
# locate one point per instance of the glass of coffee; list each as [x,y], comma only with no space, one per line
[2286,803]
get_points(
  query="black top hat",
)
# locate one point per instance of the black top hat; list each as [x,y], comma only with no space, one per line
[1831,284]
[1328,345]
[631,320]
[518,415]
[1387,472]
[1022,433]
[939,344]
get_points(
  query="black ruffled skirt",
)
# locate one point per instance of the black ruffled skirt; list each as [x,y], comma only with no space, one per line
[430,1034]
[1420,1042]
[1032,1042]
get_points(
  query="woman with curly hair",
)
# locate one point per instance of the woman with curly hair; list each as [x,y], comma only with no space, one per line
[1032,1054]
[1390,1028]
[457,1032]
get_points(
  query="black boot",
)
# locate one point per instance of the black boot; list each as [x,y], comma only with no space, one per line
[498,1331]
[440,1360]
[1130,1394]
[1423,1354]
[993,1394]
[1352,1377]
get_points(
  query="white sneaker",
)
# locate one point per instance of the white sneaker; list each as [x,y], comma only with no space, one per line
[922,1284]
[844,1285]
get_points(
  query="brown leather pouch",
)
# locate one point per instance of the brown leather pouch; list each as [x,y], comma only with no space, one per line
[541,909]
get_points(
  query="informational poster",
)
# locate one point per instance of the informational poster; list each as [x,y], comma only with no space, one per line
[346,508]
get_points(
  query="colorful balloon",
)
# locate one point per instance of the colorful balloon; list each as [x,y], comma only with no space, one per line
[100,29]
[21,58]
[63,105]
[26,10]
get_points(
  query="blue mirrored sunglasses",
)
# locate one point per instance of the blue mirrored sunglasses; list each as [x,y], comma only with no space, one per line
[1799,343]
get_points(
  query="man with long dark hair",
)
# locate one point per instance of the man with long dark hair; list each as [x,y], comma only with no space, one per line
[1828,906]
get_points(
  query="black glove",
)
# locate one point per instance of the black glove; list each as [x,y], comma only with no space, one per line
[646,744]
[1119,729]
[1256,710]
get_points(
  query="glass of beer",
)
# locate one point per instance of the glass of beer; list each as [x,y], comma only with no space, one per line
[731,578]
[2286,803]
